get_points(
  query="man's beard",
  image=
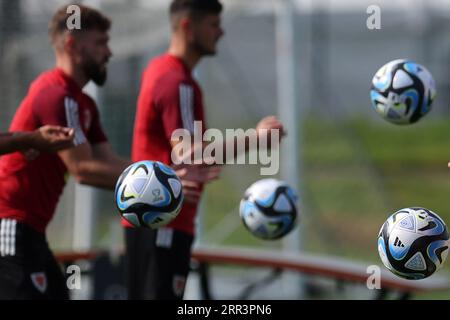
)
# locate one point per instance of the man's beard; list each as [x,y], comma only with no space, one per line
[93,71]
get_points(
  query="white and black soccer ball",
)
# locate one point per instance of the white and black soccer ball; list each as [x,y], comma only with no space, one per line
[413,243]
[269,209]
[149,194]
[402,91]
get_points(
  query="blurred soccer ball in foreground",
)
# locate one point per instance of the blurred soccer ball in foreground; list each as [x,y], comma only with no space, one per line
[402,91]
[149,194]
[413,243]
[269,209]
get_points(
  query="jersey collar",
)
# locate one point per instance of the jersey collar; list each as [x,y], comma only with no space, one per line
[71,84]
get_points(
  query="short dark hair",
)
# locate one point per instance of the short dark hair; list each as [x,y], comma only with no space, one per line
[195,8]
[90,19]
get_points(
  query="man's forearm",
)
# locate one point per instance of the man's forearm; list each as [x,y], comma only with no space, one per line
[14,141]
[240,145]
[101,174]
[231,148]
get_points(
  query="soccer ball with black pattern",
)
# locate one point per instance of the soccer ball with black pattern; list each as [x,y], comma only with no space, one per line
[269,209]
[413,243]
[149,194]
[402,91]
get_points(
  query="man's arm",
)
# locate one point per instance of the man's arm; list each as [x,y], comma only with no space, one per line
[46,138]
[202,172]
[14,141]
[104,152]
[260,137]
[94,165]
[238,144]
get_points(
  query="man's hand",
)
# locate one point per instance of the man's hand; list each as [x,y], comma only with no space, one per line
[191,191]
[51,138]
[193,176]
[200,173]
[267,124]
[270,123]
[45,139]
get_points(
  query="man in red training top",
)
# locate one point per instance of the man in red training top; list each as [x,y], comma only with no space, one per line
[171,99]
[30,189]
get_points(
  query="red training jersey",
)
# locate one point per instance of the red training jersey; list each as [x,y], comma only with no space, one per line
[169,99]
[30,190]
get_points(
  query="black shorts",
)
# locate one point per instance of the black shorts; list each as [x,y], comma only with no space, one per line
[157,263]
[28,269]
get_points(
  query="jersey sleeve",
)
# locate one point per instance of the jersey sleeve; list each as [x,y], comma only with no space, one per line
[175,103]
[96,134]
[55,106]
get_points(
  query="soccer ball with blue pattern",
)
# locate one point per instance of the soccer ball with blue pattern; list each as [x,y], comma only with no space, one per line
[269,209]
[402,91]
[413,243]
[149,194]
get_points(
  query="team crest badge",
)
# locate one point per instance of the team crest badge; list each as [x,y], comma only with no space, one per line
[39,280]
[178,285]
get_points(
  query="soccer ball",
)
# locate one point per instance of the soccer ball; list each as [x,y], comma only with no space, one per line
[269,209]
[413,243]
[402,91]
[149,194]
